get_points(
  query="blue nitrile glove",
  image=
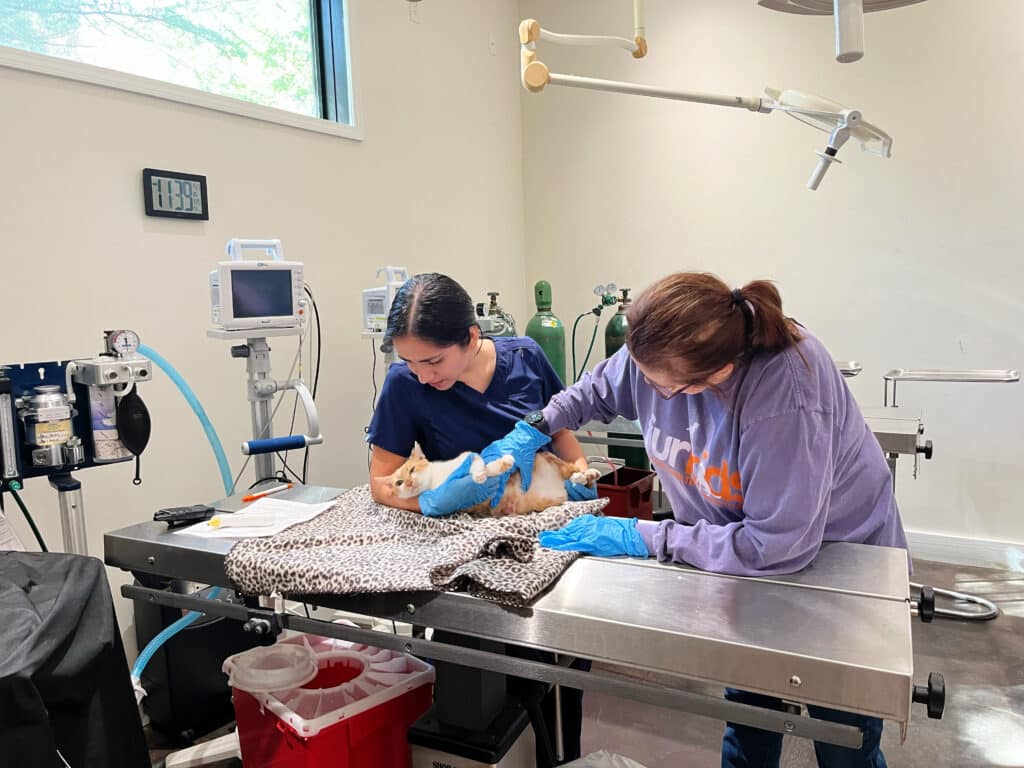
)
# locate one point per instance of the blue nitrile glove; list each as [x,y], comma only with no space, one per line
[601,536]
[521,443]
[459,491]
[579,492]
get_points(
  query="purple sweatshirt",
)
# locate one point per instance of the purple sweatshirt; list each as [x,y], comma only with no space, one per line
[758,474]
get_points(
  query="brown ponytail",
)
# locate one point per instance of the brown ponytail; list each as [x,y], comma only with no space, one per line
[691,324]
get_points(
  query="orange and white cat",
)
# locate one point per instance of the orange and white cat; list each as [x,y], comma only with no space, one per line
[547,485]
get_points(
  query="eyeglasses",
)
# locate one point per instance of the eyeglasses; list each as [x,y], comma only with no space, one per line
[667,393]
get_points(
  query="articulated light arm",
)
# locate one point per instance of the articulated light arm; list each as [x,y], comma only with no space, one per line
[536,76]
[838,121]
[836,139]
[752,103]
[592,40]
[637,46]
[639,30]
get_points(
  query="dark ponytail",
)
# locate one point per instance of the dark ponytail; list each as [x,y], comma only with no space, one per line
[772,330]
[692,324]
[431,307]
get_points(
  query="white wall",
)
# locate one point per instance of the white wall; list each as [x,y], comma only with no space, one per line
[908,262]
[436,185]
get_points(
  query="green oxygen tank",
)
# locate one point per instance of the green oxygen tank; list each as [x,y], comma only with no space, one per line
[615,331]
[546,329]
[614,339]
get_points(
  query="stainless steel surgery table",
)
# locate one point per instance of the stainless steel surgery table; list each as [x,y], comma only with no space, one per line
[837,634]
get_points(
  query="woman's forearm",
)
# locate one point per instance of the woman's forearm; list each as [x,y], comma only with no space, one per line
[383,492]
[568,448]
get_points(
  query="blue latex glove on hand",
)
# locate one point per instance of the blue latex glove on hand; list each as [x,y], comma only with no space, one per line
[521,443]
[579,492]
[601,536]
[459,491]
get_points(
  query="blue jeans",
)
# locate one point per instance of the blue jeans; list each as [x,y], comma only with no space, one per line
[746,747]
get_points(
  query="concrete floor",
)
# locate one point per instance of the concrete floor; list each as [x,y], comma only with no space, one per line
[983,725]
[983,667]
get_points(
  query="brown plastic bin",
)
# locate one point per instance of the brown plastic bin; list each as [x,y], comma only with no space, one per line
[630,492]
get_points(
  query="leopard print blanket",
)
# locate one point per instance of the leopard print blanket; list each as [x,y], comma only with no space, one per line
[359,546]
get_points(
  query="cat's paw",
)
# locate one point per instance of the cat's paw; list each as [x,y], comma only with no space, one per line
[587,478]
[478,470]
[500,466]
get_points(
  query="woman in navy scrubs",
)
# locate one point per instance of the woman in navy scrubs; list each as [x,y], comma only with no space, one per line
[456,390]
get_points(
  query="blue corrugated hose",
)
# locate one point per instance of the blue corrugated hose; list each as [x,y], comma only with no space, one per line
[190,397]
[168,632]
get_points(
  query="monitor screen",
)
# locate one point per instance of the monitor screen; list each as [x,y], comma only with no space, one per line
[261,293]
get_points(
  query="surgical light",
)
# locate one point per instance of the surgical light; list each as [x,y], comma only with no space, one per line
[837,121]
[849,18]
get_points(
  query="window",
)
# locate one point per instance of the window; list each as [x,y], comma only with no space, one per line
[290,55]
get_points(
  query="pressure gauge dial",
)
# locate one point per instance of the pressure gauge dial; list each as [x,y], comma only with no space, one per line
[122,343]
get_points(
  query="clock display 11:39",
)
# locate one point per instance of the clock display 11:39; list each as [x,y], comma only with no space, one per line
[177,195]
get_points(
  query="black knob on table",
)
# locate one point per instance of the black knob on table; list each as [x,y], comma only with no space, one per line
[926,604]
[933,695]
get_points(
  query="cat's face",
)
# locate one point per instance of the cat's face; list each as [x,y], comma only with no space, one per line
[411,478]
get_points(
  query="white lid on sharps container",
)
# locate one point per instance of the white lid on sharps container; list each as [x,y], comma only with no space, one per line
[271,668]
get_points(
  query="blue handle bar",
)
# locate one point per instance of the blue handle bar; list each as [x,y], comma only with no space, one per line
[289,443]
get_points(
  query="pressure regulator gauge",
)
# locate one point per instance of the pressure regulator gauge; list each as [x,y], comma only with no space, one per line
[122,343]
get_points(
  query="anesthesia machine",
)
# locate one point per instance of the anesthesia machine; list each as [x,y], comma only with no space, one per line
[57,417]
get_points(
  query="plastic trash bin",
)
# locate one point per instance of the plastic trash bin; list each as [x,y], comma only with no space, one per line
[344,705]
[629,492]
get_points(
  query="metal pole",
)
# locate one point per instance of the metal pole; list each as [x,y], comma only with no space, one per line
[559,740]
[72,513]
[257,365]
[752,103]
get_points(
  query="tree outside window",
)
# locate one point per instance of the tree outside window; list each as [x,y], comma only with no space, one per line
[260,51]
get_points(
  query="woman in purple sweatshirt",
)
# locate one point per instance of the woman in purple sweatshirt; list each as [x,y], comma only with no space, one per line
[757,442]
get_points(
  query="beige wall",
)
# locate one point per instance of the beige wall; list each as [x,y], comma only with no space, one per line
[436,185]
[908,262]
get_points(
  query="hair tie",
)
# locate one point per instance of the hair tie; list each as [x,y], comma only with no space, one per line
[741,301]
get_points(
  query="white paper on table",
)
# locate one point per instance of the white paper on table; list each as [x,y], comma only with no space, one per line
[9,540]
[284,513]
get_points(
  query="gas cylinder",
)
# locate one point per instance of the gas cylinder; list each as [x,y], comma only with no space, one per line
[546,329]
[614,338]
[615,331]
[495,321]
